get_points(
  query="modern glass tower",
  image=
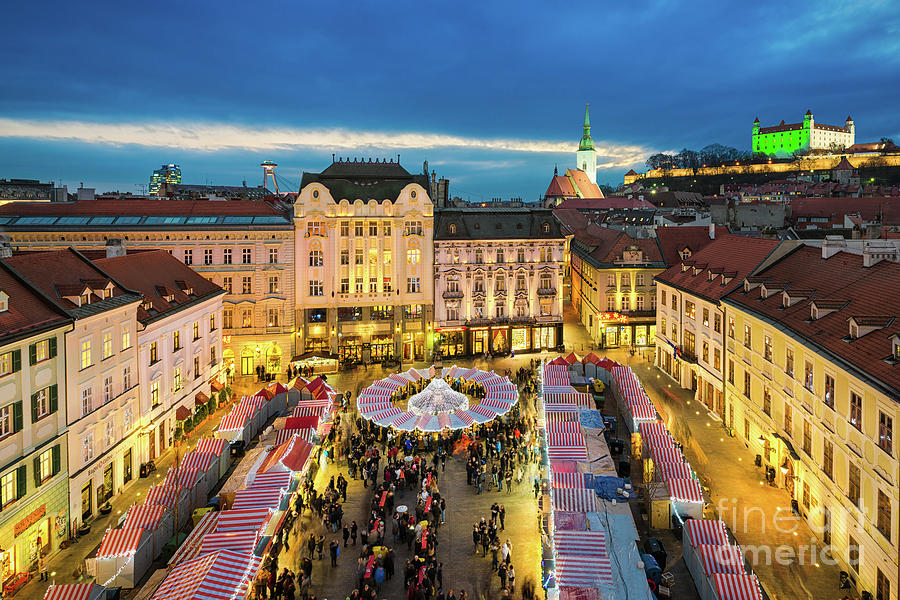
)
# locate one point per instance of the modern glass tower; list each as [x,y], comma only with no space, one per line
[165,174]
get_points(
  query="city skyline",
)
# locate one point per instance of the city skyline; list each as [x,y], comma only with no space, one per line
[493,110]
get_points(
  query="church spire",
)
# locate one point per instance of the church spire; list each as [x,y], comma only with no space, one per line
[586,142]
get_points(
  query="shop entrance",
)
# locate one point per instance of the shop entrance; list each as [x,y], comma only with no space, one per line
[107,484]
[500,343]
[520,339]
[480,341]
[453,343]
[247,360]
[640,335]
[86,511]
[126,467]
[382,348]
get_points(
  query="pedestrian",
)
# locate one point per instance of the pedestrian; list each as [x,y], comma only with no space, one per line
[320,546]
[439,574]
[346,534]
[506,551]
[334,549]
[502,514]
[511,576]
[501,572]
[42,566]
[353,531]
[476,537]
[259,585]
[273,584]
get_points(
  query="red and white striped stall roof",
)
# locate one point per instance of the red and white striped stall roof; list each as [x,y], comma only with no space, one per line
[568,480]
[500,386]
[400,378]
[685,490]
[565,435]
[557,389]
[658,440]
[280,480]
[237,418]
[164,495]
[667,454]
[388,384]
[367,410]
[652,427]
[706,532]
[574,499]
[197,460]
[721,559]
[498,395]
[483,411]
[222,575]
[285,435]
[251,498]
[144,516]
[736,587]
[567,453]
[570,592]
[563,466]
[423,420]
[191,545]
[443,420]
[75,591]
[580,543]
[375,392]
[214,446]
[642,411]
[583,571]
[393,411]
[119,542]
[466,373]
[403,419]
[556,375]
[235,520]
[502,406]
[310,411]
[243,542]
[464,416]
[182,476]
[482,376]
[673,470]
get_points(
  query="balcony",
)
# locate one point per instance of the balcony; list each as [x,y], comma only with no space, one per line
[546,291]
[690,357]
[452,294]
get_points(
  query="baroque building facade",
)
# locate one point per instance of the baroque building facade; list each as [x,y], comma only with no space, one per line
[364,250]
[498,281]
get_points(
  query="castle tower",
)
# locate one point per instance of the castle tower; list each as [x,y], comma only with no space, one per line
[851,128]
[586,156]
[755,138]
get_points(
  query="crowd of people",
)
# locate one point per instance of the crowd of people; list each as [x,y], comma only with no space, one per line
[402,470]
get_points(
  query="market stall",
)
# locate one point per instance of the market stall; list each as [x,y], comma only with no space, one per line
[152,518]
[207,467]
[76,591]
[124,557]
[174,497]
[317,364]
[191,545]
[221,574]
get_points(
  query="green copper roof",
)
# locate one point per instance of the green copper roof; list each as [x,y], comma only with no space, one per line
[586,142]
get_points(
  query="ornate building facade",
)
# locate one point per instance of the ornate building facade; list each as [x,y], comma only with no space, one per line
[364,288]
[498,281]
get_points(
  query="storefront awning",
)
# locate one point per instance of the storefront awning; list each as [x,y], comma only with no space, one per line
[182,413]
[216,385]
[200,398]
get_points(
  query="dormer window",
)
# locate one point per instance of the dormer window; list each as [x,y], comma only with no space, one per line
[107,293]
[895,348]
[854,330]
[545,227]
[785,301]
[813,312]
[4,302]
[451,229]
[147,305]
[84,299]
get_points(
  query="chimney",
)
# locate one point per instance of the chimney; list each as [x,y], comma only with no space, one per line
[712,231]
[832,245]
[115,247]
[5,247]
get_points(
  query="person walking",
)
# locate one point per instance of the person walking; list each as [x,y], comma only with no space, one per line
[334,549]
[511,577]
[502,514]
[346,534]
[354,529]
[42,566]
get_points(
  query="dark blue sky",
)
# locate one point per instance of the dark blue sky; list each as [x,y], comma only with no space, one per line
[490,93]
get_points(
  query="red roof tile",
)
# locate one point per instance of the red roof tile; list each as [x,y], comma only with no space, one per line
[840,276]
[736,256]
[28,310]
[559,186]
[869,209]
[672,240]
[602,203]
[157,274]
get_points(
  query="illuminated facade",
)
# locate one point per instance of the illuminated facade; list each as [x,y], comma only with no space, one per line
[812,357]
[690,320]
[102,386]
[364,253]
[498,281]
[34,488]
[786,138]
[613,289]
[167,174]
[244,246]
[179,340]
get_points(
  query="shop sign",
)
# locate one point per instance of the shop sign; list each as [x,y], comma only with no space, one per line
[30,520]
[614,317]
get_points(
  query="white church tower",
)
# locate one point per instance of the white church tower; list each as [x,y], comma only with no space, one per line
[586,157]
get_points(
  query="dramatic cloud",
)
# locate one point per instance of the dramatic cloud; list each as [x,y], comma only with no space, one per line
[209,137]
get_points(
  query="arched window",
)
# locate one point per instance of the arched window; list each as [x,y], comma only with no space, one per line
[451,229]
[545,227]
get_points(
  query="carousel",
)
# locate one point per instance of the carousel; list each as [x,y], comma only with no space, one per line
[437,399]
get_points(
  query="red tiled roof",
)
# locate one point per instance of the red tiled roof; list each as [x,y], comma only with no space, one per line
[27,310]
[844,165]
[736,256]
[140,207]
[157,274]
[630,173]
[609,244]
[602,203]
[571,219]
[56,272]
[559,186]
[672,240]
[869,209]
[583,184]
[840,276]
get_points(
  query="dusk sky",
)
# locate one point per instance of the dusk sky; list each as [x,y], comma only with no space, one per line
[491,94]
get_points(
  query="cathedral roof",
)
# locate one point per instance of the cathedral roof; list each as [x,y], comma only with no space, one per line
[559,186]
[586,142]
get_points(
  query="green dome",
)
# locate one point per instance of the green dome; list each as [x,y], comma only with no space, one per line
[586,142]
